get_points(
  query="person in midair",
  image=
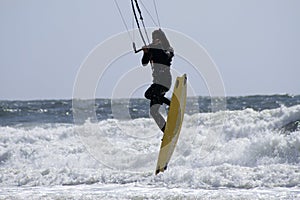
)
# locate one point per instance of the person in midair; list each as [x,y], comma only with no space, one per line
[159,53]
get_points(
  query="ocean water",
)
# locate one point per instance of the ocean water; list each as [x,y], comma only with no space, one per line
[250,150]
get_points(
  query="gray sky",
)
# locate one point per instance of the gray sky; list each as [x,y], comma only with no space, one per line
[254,43]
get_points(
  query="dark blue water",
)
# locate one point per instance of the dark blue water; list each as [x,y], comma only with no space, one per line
[60,111]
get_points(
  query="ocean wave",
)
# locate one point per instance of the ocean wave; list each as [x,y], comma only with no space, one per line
[62,111]
[235,149]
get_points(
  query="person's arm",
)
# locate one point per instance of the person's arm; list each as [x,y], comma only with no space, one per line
[146,56]
[170,52]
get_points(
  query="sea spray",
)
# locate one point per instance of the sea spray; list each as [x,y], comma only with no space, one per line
[249,151]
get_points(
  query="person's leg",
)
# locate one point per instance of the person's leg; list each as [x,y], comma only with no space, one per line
[161,92]
[154,111]
[166,101]
[150,92]
[156,94]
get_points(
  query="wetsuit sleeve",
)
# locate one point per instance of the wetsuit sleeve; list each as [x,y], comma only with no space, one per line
[146,58]
[170,52]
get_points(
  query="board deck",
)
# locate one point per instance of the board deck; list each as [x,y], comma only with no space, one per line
[173,124]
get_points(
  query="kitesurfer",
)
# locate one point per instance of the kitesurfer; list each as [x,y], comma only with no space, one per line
[159,53]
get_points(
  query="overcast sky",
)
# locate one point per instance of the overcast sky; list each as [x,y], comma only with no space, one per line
[254,43]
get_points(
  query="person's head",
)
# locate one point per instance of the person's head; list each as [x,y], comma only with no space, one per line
[159,35]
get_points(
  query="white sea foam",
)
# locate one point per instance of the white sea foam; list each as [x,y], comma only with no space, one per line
[228,149]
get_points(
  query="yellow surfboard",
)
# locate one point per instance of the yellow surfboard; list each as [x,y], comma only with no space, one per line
[173,124]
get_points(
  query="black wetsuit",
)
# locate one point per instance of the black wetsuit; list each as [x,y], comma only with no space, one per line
[160,62]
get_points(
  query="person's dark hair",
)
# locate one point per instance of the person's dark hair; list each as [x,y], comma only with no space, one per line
[159,34]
